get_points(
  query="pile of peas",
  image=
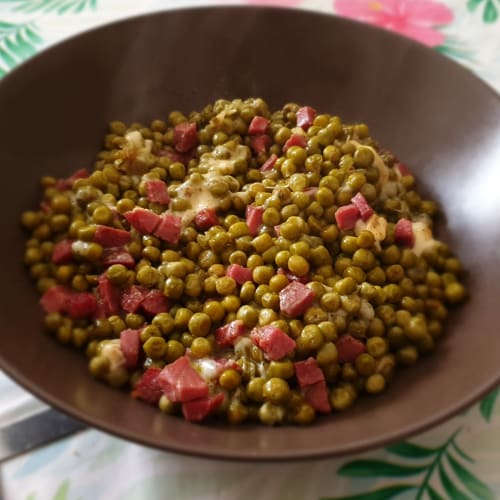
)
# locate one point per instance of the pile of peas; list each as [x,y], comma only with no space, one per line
[381,293]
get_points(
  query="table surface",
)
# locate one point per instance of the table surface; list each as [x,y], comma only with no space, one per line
[457,460]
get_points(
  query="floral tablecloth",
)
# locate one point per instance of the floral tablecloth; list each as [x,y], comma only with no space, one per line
[459,459]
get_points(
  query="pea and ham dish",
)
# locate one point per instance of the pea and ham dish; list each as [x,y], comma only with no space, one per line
[242,264]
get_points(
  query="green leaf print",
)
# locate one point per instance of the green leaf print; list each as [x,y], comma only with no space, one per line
[58,6]
[62,491]
[371,468]
[428,477]
[491,9]
[17,43]
[488,403]
[471,482]
[380,494]
[452,490]
[410,450]
[433,494]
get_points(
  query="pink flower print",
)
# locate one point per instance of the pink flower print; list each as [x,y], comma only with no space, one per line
[276,3]
[415,19]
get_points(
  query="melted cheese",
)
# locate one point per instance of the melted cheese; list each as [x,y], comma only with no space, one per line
[198,193]
[206,367]
[140,146]
[376,224]
[112,351]
[423,237]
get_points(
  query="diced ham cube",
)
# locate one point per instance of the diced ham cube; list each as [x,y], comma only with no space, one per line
[308,372]
[142,220]
[198,409]
[295,298]
[169,229]
[64,184]
[117,255]
[109,295]
[185,137]
[174,156]
[110,236]
[147,387]
[62,253]
[181,383]
[295,140]
[317,396]
[277,230]
[130,344]
[359,201]
[349,348]
[155,303]
[403,233]
[305,117]
[133,297]
[205,219]
[239,273]
[156,192]
[347,216]
[260,143]
[226,335]
[253,216]
[403,169]
[269,163]
[81,305]
[273,341]
[258,125]
[55,298]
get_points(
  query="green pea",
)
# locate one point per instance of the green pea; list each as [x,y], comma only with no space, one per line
[199,324]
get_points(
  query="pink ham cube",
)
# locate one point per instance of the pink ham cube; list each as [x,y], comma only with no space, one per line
[205,219]
[110,236]
[260,143]
[181,383]
[305,117]
[317,396]
[81,305]
[359,201]
[142,220]
[109,296]
[169,228]
[273,341]
[226,335]
[62,253]
[349,348]
[147,387]
[185,137]
[403,233]
[130,344]
[117,255]
[156,192]
[253,216]
[295,299]
[308,372]
[268,165]
[258,125]
[132,298]
[199,409]
[295,140]
[155,303]
[239,273]
[347,216]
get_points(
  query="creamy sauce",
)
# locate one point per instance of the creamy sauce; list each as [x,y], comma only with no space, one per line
[423,237]
[381,166]
[243,346]
[198,193]
[376,224]
[366,310]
